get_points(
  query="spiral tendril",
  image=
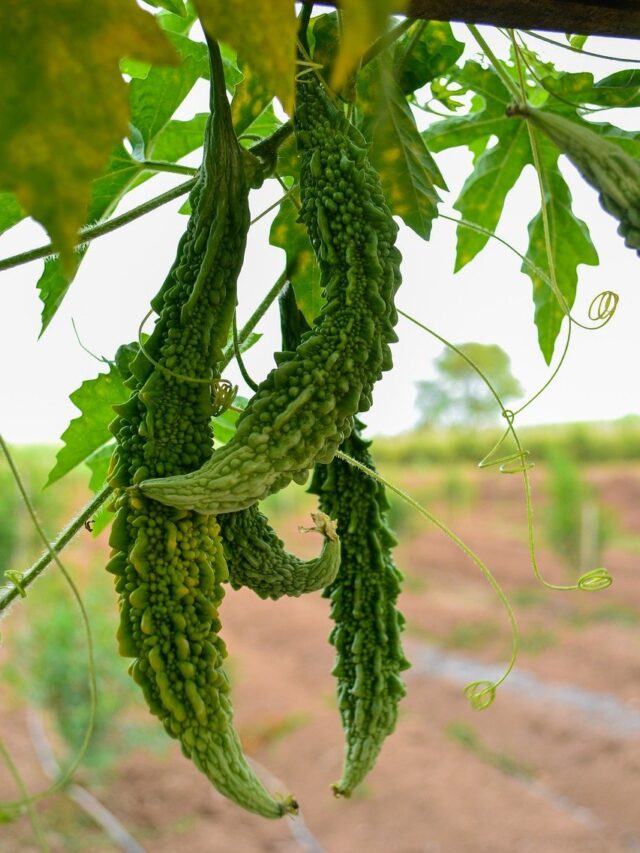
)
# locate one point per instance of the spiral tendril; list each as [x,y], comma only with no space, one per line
[480,694]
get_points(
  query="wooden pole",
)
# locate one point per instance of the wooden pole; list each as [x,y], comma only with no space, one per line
[585,17]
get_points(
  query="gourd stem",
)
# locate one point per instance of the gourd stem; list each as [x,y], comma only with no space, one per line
[11,591]
[107,227]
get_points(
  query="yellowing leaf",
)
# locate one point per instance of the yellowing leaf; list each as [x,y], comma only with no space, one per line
[264,36]
[63,102]
[362,22]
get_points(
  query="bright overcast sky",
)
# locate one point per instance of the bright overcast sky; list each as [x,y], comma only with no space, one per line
[489,301]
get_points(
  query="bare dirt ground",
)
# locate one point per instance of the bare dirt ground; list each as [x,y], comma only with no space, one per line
[541,770]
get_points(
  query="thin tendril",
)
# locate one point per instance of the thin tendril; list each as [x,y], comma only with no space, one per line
[580,50]
[271,207]
[101,358]
[93,692]
[479,693]
[34,820]
[516,463]
[236,349]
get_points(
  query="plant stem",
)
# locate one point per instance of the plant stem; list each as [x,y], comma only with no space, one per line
[510,84]
[10,592]
[255,318]
[166,166]
[103,228]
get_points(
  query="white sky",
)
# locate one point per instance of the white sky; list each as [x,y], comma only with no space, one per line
[489,301]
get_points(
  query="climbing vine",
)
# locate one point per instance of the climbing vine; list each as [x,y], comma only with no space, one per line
[178,459]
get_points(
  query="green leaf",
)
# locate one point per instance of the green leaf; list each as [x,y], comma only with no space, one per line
[431,56]
[289,234]
[621,89]
[570,246]
[408,172]
[224,426]
[10,211]
[264,36]
[155,98]
[106,192]
[481,199]
[95,399]
[362,22]
[266,124]
[577,41]
[63,102]
[179,138]
[52,287]
[488,112]
[98,464]
[175,6]
[250,98]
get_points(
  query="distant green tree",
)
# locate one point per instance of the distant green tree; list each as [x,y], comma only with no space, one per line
[459,397]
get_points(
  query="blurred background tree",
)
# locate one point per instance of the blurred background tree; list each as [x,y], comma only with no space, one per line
[458,396]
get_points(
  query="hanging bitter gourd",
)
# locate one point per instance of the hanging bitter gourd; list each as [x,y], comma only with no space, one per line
[302,411]
[169,564]
[603,164]
[257,559]
[366,636]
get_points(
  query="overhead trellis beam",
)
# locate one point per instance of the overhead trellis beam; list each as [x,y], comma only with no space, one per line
[587,17]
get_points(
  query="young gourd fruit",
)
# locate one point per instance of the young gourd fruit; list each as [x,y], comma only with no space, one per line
[366,636]
[257,559]
[302,411]
[169,564]
[603,164]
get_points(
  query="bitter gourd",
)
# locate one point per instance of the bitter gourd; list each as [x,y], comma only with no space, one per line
[257,559]
[366,636]
[603,164]
[169,564]
[302,411]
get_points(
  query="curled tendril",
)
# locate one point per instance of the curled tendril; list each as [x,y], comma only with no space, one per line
[16,579]
[224,393]
[603,307]
[595,580]
[480,694]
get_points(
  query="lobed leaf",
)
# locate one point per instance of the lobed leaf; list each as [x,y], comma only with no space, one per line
[289,234]
[264,36]
[362,22]
[570,244]
[95,399]
[49,52]
[10,211]
[431,55]
[408,172]
[250,98]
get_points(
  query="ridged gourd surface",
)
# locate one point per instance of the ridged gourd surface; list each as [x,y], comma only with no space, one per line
[603,164]
[302,411]
[257,558]
[169,564]
[366,636]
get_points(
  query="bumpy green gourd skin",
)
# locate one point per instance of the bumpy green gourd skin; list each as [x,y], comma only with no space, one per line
[302,411]
[603,164]
[169,564]
[366,636]
[256,557]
